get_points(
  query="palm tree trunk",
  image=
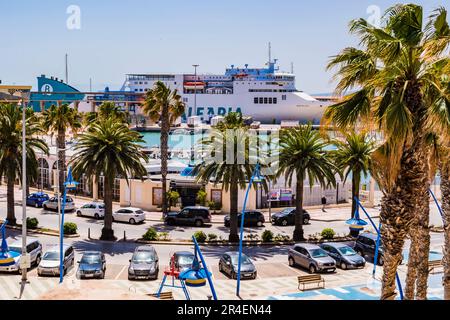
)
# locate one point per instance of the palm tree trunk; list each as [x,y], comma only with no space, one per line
[11,216]
[165,128]
[411,275]
[61,142]
[356,180]
[445,196]
[298,231]
[234,189]
[107,231]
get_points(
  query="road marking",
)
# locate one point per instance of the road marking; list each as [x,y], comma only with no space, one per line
[118,275]
[292,269]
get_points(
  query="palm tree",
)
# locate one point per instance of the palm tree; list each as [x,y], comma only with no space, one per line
[230,168]
[444,166]
[59,119]
[111,149]
[162,103]
[393,72]
[106,110]
[353,156]
[303,155]
[11,150]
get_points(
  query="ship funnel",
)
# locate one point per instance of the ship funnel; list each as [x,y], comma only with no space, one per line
[246,66]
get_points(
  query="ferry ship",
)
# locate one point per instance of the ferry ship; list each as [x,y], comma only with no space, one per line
[265,94]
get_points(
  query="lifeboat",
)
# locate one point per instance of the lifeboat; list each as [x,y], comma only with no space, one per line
[192,85]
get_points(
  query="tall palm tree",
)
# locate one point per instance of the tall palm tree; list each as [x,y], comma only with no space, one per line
[230,161]
[59,119]
[111,149]
[162,103]
[11,150]
[353,156]
[393,72]
[303,155]
[106,110]
[444,166]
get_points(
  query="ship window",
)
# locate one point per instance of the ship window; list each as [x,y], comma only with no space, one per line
[283,97]
[256,100]
[275,100]
[261,100]
[270,100]
[265,100]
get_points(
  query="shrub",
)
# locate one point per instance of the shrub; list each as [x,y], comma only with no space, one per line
[172,197]
[252,237]
[150,235]
[163,236]
[70,228]
[282,237]
[32,223]
[328,233]
[201,197]
[212,237]
[200,236]
[267,236]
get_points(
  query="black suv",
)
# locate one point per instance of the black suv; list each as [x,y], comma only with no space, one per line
[287,217]
[252,218]
[365,245]
[197,216]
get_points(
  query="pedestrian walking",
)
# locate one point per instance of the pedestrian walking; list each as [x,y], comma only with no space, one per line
[324,203]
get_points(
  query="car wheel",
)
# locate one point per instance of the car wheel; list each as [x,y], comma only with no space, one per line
[233,275]
[284,223]
[96,216]
[198,223]
[343,266]
[45,207]
[220,267]
[132,221]
[254,276]
[306,221]
[312,269]
[381,261]
[38,260]
[291,262]
[79,213]
[259,224]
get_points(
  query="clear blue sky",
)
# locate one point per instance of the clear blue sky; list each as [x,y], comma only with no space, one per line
[140,36]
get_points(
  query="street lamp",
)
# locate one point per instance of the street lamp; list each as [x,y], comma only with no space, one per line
[195,88]
[256,178]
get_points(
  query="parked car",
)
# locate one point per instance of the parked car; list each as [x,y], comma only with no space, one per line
[37,199]
[183,260]
[49,264]
[92,265]
[34,249]
[311,257]
[93,209]
[144,264]
[229,262]
[52,204]
[252,218]
[197,216]
[365,246]
[345,256]
[129,215]
[287,217]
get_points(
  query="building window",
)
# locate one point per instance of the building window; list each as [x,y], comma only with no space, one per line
[261,100]
[256,100]
[283,97]
[265,100]
[275,100]
[270,100]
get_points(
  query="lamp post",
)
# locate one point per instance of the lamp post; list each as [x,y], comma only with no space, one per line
[195,88]
[255,178]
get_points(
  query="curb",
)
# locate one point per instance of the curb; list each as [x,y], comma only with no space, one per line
[47,233]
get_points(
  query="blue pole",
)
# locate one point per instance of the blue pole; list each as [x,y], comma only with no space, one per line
[205,267]
[437,204]
[238,287]
[61,244]
[375,259]
[399,284]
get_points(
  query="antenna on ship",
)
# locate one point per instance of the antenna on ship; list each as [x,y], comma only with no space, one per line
[67,70]
[292,68]
[270,53]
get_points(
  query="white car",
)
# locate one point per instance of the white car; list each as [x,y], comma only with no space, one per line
[34,249]
[130,215]
[93,209]
[49,265]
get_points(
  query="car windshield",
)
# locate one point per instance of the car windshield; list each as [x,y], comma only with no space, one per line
[69,199]
[185,260]
[139,211]
[244,260]
[101,206]
[347,251]
[54,256]
[318,253]
[286,211]
[91,259]
[143,257]
[15,249]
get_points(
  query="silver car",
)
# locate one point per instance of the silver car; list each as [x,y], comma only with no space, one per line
[311,257]
[52,204]
[49,265]
[144,264]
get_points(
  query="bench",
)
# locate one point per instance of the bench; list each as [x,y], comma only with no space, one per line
[434,264]
[311,279]
[163,295]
